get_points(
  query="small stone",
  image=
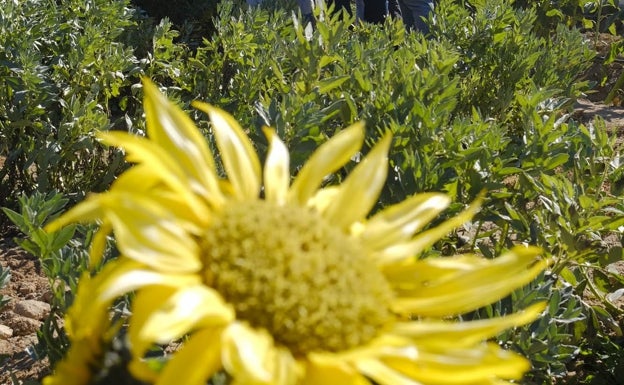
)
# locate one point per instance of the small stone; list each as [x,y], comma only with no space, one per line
[6,347]
[32,309]
[23,325]
[5,332]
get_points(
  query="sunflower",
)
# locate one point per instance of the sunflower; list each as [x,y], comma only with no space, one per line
[274,282]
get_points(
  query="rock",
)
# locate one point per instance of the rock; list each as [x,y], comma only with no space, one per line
[6,348]
[5,332]
[23,325]
[32,309]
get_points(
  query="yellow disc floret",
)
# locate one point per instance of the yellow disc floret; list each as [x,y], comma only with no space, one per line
[287,270]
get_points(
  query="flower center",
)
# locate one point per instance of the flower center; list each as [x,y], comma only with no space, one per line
[287,270]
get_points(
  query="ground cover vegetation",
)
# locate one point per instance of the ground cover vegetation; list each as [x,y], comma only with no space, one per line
[484,104]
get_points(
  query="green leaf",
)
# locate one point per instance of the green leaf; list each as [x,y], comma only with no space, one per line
[602,281]
[365,84]
[616,224]
[555,161]
[568,276]
[326,85]
[554,12]
[602,315]
[29,246]
[509,171]
[553,304]
[325,60]
[17,219]
[615,254]
[61,237]
[536,347]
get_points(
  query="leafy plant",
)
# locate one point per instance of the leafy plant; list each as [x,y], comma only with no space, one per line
[61,75]
[35,211]
[597,15]
[63,256]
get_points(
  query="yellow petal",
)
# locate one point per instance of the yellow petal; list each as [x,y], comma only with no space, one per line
[74,369]
[477,365]
[148,233]
[237,152]
[126,275]
[360,191]
[461,289]
[328,158]
[372,348]
[170,128]
[430,334]
[286,370]
[203,348]
[139,178]
[400,222]
[323,370]
[141,370]
[190,219]
[398,252]
[412,273]
[98,244]
[144,180]
[276,169]
[382,374]
[182,311]
[169,170]
[323,198]
[248,354]
[143,306]
[87,318]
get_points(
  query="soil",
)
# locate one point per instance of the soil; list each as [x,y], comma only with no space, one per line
[18,328]
[28,285]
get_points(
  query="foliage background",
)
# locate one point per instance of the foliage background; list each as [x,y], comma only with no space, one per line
[484,103]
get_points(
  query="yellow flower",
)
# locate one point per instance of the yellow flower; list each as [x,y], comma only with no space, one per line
[88,326]
[280,283]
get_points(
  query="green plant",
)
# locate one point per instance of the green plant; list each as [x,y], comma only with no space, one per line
[5,277]
[616,51]
[61,79]
[63,255]
[596,15]
[35,211]
[569,213]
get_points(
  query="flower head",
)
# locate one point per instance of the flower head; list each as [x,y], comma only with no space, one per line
[292,283]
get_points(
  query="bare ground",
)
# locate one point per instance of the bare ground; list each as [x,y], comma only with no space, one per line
[28,285]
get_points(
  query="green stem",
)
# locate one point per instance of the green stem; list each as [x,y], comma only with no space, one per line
[619,84]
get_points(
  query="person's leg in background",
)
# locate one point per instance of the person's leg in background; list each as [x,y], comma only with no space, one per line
[305,6]
[306,11]
[375,11]
[359,9]
[415,12]
[394,9]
